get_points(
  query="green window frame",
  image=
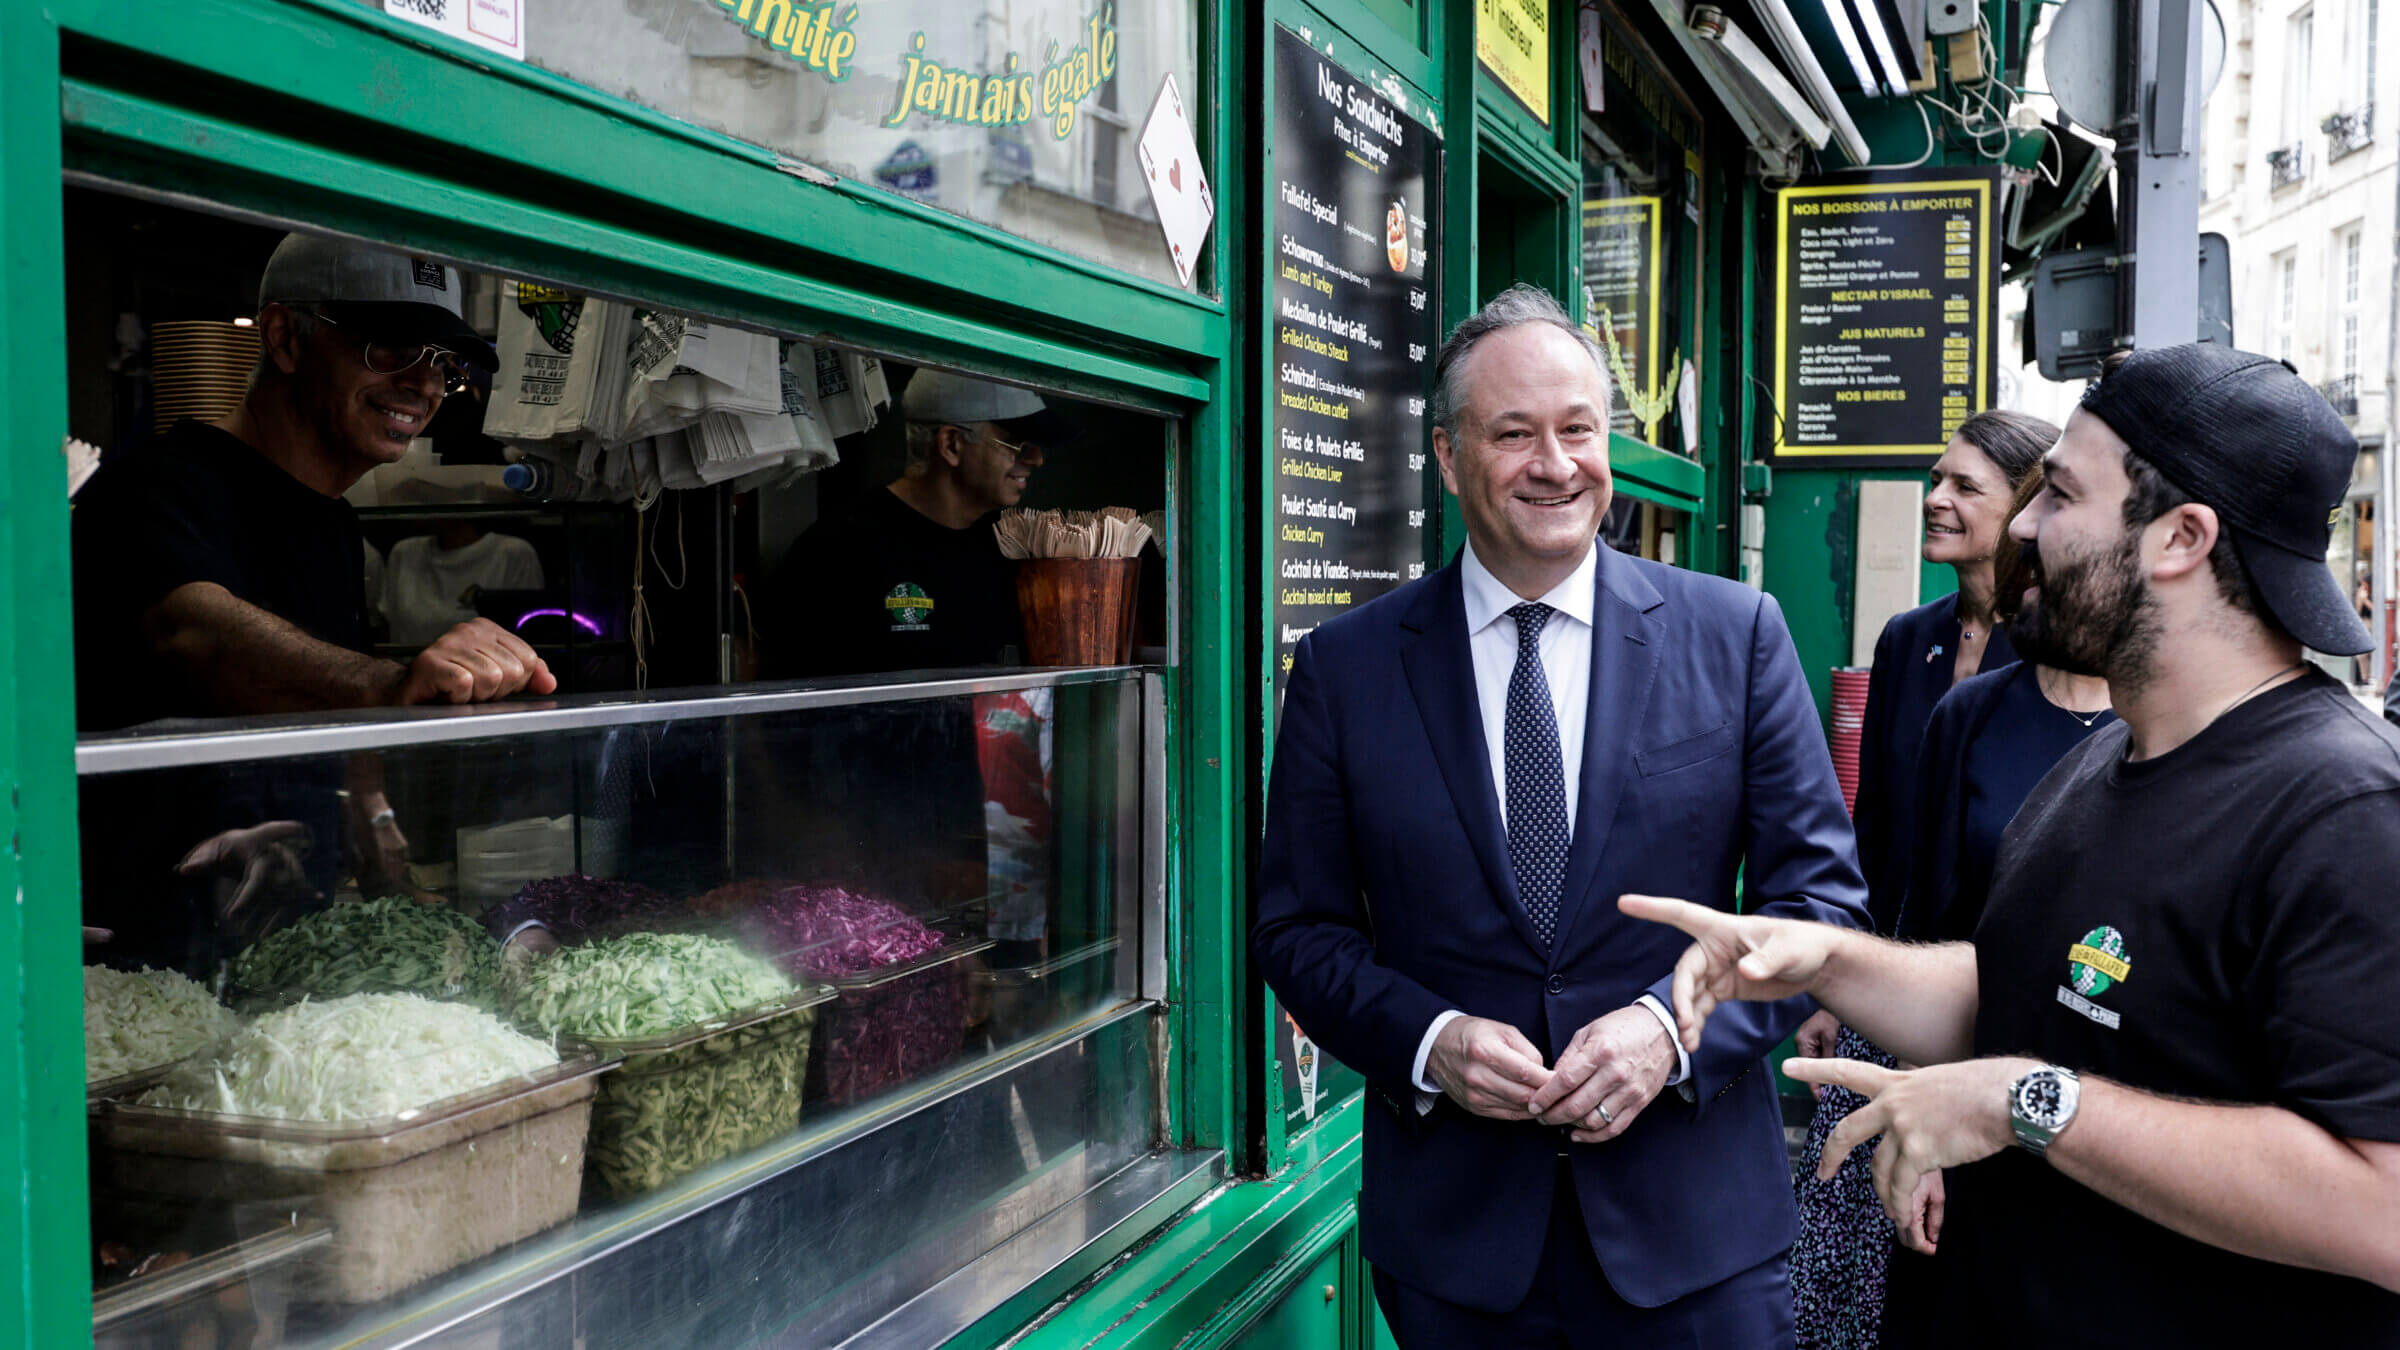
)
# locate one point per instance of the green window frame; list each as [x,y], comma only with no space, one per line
[327,112]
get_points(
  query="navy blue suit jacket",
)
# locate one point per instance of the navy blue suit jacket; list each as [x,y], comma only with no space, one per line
[1386,897]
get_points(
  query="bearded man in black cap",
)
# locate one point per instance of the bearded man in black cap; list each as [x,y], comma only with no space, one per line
[217,571]
[2178,1001]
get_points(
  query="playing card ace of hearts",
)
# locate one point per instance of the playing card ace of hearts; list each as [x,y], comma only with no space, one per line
[1178,185]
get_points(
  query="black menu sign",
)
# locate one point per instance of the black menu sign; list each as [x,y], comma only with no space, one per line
[1354,238]
[1885,292]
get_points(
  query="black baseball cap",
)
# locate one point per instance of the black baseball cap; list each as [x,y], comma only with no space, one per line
[374,293]
[2245,435]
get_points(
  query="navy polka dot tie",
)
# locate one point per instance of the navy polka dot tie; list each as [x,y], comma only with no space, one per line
[1538,833]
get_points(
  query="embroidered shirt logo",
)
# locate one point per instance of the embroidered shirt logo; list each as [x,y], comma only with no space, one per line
[2094,966]
[910,608]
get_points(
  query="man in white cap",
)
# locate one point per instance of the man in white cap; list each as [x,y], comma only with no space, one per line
[217,571]
[910,577]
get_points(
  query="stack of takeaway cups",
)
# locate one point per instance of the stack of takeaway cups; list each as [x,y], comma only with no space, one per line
[1849,722]
[198,368]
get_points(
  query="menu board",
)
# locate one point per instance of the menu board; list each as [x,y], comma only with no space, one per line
[1355,320]
[1885,299]
[1355,323]
[1620,297]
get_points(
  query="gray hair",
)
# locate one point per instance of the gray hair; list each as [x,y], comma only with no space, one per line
[921,438]
[1515,307]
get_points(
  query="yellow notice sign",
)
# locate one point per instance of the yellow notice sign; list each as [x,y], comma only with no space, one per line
[1512,39]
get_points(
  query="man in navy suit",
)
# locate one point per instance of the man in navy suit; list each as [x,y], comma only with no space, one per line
[1468,772]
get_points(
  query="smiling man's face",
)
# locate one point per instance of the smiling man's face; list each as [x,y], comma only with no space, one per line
[361,418]
[1529,462]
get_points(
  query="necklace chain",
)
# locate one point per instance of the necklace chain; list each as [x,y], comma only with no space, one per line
[2253,690]
[2087,719]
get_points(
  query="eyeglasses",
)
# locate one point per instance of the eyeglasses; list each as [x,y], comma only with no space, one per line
[385,358]
[1018,450]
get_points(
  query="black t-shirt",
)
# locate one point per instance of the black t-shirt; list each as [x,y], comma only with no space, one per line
[880,588]
[200,505]
[2220,923]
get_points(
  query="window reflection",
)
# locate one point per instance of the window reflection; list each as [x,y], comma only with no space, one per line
[1023,116]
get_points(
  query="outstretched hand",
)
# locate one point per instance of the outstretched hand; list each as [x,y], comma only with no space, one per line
[1945,1115]
[1733,957]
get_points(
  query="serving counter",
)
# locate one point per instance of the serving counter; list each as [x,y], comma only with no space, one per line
[844,1158]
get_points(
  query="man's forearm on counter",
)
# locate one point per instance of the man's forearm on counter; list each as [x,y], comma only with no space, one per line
[1917,1001]
[251,661]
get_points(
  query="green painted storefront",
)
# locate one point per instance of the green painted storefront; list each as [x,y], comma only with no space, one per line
[330,112]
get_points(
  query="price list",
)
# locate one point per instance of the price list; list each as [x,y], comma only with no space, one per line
[1354,325]
[1885,306]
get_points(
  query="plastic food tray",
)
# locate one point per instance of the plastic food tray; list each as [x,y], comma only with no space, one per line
[127,1084]
[231,1288]
[408,1196]
[1019,1000]
[689,1097]
[895,1023]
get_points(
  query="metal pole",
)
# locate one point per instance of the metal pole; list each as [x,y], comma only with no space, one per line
[2387,496]
[2158,173]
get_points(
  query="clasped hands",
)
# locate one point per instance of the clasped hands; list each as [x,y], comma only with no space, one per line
[1942,1115]
[1611,1070]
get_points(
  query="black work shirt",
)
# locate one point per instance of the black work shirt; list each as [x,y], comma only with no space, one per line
[2221,923]
[881,587]
[199,505]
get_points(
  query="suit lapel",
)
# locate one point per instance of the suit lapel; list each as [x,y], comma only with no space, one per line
[1441,675]
[1625,657]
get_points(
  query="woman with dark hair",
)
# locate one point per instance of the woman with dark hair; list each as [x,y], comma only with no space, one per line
[1845,1240]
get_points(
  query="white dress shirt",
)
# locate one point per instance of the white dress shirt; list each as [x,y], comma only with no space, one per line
[1566,649]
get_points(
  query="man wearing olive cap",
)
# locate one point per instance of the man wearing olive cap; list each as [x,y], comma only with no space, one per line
[2178,1000]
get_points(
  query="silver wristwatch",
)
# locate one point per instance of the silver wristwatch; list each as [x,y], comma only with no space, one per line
[2041,1104]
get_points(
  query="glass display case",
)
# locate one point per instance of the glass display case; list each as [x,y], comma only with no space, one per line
[741,1012]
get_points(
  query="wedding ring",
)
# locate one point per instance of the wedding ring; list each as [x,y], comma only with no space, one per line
[1605,1117]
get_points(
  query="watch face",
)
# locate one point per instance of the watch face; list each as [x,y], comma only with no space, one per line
[2040,1099]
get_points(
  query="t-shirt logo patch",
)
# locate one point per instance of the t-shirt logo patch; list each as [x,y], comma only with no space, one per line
[2094,966]
[910,608]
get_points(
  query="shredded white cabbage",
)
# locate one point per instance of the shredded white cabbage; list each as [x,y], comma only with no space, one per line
[362,1057]
[136,1020]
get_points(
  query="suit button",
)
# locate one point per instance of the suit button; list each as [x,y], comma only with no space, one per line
[1558,984]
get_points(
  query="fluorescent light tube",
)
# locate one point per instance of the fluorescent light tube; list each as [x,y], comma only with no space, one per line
[1837,14]
[1784,31]
[1895,75]
[1746,62]
[1772,135]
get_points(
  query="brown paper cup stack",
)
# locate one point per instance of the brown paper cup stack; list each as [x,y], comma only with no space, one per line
[198,368]
[1078,611]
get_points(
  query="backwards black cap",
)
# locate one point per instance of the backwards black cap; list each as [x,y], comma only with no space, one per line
[2245,435]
